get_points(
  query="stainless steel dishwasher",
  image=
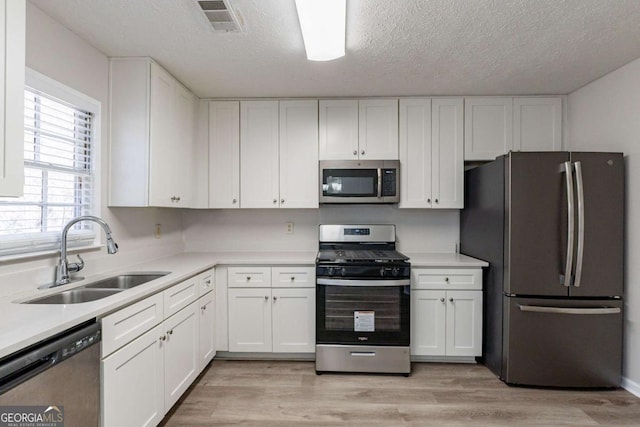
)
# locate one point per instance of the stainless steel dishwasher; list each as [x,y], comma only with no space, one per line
[62,372]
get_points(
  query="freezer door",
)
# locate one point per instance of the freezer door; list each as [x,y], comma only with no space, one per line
[563,342]
[599,272]
[536,224]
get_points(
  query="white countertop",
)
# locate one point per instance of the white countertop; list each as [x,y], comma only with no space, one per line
[24,324]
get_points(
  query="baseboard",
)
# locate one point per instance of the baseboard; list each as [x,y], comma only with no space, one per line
[631,386]
[230,355]
[444,359]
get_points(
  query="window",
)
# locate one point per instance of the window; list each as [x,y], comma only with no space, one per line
[59,177]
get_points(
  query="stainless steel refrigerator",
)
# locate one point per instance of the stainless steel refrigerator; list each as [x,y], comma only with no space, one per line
[551,225]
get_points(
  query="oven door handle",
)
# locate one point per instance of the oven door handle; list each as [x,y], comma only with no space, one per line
[364,282]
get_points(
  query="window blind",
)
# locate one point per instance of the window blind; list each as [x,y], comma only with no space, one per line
[59,178]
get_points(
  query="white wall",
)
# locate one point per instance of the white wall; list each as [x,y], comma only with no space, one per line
[605,116]
[264,229]
[61,55]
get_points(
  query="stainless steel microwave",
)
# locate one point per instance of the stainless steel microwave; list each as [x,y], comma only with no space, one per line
[359,181]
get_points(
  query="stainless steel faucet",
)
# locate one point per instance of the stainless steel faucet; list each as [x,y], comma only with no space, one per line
[64,267]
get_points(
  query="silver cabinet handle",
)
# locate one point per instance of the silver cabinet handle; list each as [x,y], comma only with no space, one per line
[446,279]
[570,225]
[203,308]
[569,310]
[580,249]
[428,200]
[173,198]
[266,297]
[163,338]
[274,299]
[207,282]
[178,198]
[355,152]
[362,152]
[450,299]
[437,201]
[441,299]
[248,278]
[275,201]
[170,332]
[282,201]
[293,278]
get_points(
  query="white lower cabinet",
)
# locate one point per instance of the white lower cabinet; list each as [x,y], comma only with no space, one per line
[265,319]
[145,376]
[446,312]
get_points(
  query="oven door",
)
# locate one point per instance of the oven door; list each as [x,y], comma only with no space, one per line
[362,311]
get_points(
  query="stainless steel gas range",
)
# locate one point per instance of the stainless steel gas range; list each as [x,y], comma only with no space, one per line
[362,301]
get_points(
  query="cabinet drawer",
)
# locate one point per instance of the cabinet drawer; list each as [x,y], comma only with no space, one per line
[435,278]
[205,282]
[296,276]
[249,277]
[129,323]
[179,296]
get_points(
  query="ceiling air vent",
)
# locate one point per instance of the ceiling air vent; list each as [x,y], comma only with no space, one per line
[221,15]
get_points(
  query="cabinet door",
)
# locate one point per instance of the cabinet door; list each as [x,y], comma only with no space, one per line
[294,316]
[537,124]
[338,123]
[163,147]
[180,353]
[488,130]
[207,341]
[378,129]
[299,154]
[224,154]
[415,153]
[133,383]
[184,123]
[259,169]
[428,319]
[447,147]
[464,323]
[249,319]
[12,62]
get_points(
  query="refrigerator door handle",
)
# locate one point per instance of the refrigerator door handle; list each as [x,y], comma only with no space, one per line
[580,207]
[566,280]
[569,310]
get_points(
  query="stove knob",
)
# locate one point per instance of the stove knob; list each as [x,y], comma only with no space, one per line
[382,271]
[330,271]
[343,271]
[395,272]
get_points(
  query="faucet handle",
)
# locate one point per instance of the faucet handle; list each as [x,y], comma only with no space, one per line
[74,267]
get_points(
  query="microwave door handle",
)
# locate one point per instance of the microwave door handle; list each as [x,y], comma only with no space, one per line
[379,183]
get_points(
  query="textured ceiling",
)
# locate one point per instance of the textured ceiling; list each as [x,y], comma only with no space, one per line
[394,47]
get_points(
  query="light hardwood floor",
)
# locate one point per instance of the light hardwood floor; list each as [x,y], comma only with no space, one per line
[278,393]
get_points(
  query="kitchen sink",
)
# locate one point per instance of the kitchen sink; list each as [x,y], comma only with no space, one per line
[75,296]
[126,281]
[100,289]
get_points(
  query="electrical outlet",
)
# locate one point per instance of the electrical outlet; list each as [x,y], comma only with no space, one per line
[157,233]
[289,227]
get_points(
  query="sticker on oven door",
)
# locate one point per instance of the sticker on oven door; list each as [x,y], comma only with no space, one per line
[364,321]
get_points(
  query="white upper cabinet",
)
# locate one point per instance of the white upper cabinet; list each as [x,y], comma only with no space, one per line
[12,66]
[537,124]
[338,129]
[259,168]
[488,127]
[224,154]
[431,153]
[378,124]
[299,154]
[364,129]
[494,126]
[152,136]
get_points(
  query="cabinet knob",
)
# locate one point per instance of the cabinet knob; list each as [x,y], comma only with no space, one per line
[282,201]
[207,282]
[274,299]
[173,198]
[446,279]
[428,200]
[441,299]
[355,152]
[170,332]
[203,308]
[275,201]
[450,299]
[362,152]
[234,201]
[248,278]
[266,297]
[293,278]
[436,200]
[163,338]
[178,198]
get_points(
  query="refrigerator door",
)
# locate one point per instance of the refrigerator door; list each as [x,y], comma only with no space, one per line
[536,224]
[562,342]
[599,270]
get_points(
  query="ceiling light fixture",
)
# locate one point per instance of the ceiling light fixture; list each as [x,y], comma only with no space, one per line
[323,25]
